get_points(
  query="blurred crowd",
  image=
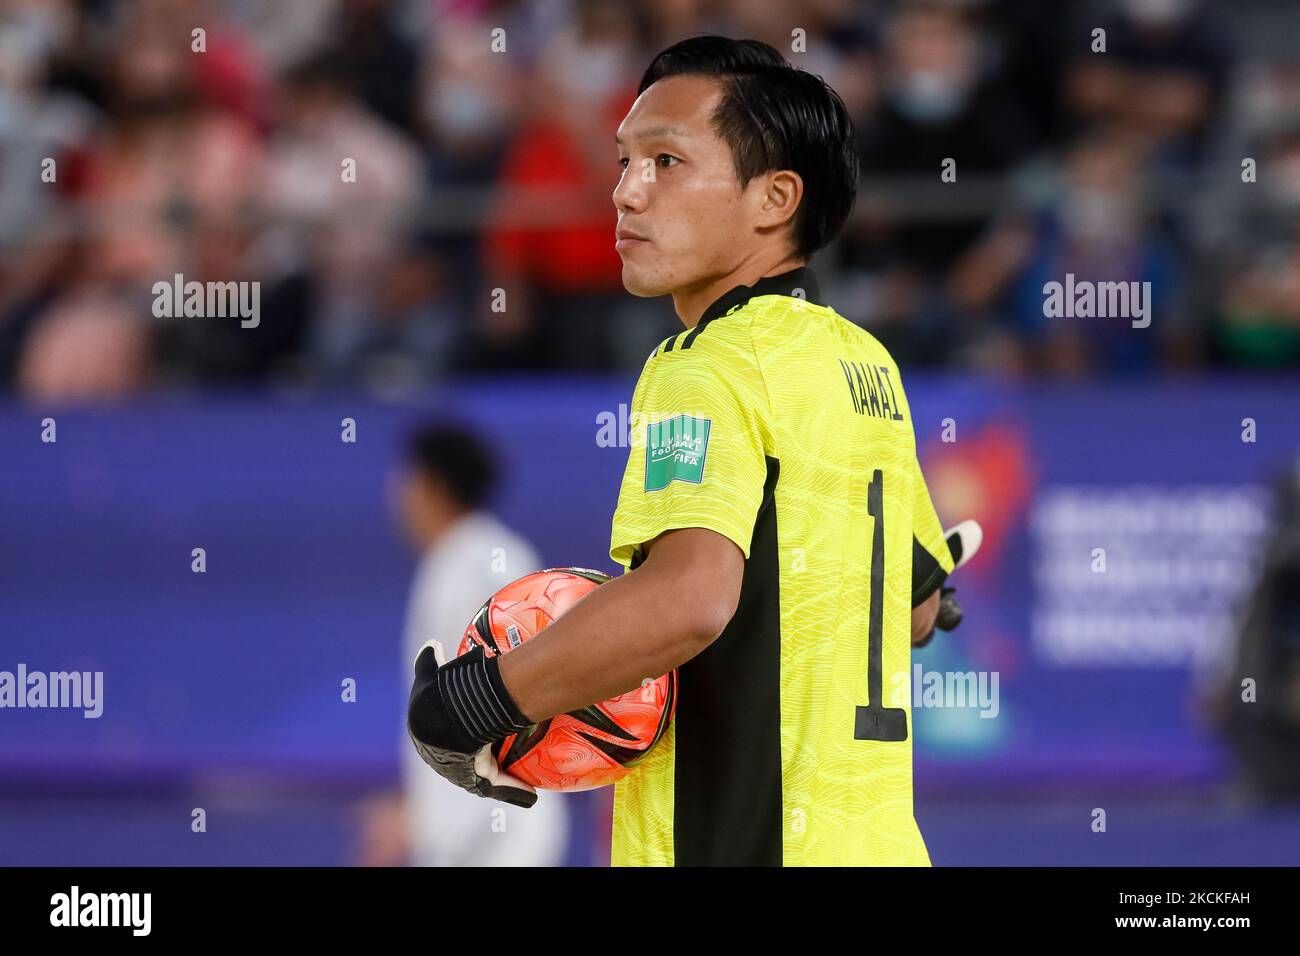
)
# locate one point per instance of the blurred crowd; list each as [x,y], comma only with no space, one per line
[422,187]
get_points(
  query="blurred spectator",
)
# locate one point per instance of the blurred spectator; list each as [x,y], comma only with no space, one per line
[469,101]
[482,132]
[1163,74]
[937,106]
[287,31]
[381,64]
[34,123]
[167,160]
[1028,44]
[343,186]
[1099,229]
[220,349]
[1264,728]
[558,267]
[415,329]
[89,345]
[466,556]
[1259,322]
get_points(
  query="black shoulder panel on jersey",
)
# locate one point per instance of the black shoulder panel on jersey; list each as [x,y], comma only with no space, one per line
[667,344]
[797,283]
[694,333]
[727,804]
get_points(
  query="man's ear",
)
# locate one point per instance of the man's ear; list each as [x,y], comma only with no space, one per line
[782,193]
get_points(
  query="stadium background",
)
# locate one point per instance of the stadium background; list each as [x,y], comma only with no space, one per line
[481,170]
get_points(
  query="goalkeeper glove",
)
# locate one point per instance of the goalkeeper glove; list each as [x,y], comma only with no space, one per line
[457,711]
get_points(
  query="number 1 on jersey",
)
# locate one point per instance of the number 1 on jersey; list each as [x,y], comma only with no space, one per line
[875,721]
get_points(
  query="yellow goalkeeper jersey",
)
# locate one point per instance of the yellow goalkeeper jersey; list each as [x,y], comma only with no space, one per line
[781,425]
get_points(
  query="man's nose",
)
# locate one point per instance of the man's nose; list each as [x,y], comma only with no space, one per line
[630,193]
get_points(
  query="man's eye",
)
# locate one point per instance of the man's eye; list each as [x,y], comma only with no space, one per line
[665,161]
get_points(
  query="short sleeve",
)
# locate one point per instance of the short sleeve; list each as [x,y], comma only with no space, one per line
[931,557]
[697,451]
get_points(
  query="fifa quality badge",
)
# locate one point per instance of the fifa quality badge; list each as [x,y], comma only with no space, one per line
[674,451]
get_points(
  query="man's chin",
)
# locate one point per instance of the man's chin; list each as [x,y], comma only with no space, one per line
[641,285]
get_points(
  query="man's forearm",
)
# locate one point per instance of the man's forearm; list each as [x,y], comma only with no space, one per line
[626,631]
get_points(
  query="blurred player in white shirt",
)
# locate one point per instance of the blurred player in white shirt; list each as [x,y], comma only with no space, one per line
[466,555]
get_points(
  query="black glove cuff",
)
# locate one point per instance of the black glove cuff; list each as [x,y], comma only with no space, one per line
[477,698]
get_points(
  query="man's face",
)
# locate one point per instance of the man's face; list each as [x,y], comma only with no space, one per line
[406,501]
[420,506]
[678,192]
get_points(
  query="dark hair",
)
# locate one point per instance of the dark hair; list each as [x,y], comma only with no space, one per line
[455,457]
[319,70]
[775,116]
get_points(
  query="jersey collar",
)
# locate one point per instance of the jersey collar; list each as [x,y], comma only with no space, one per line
[784,284]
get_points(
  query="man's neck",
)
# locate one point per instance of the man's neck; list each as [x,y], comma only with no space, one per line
[690,303]
[439,527]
